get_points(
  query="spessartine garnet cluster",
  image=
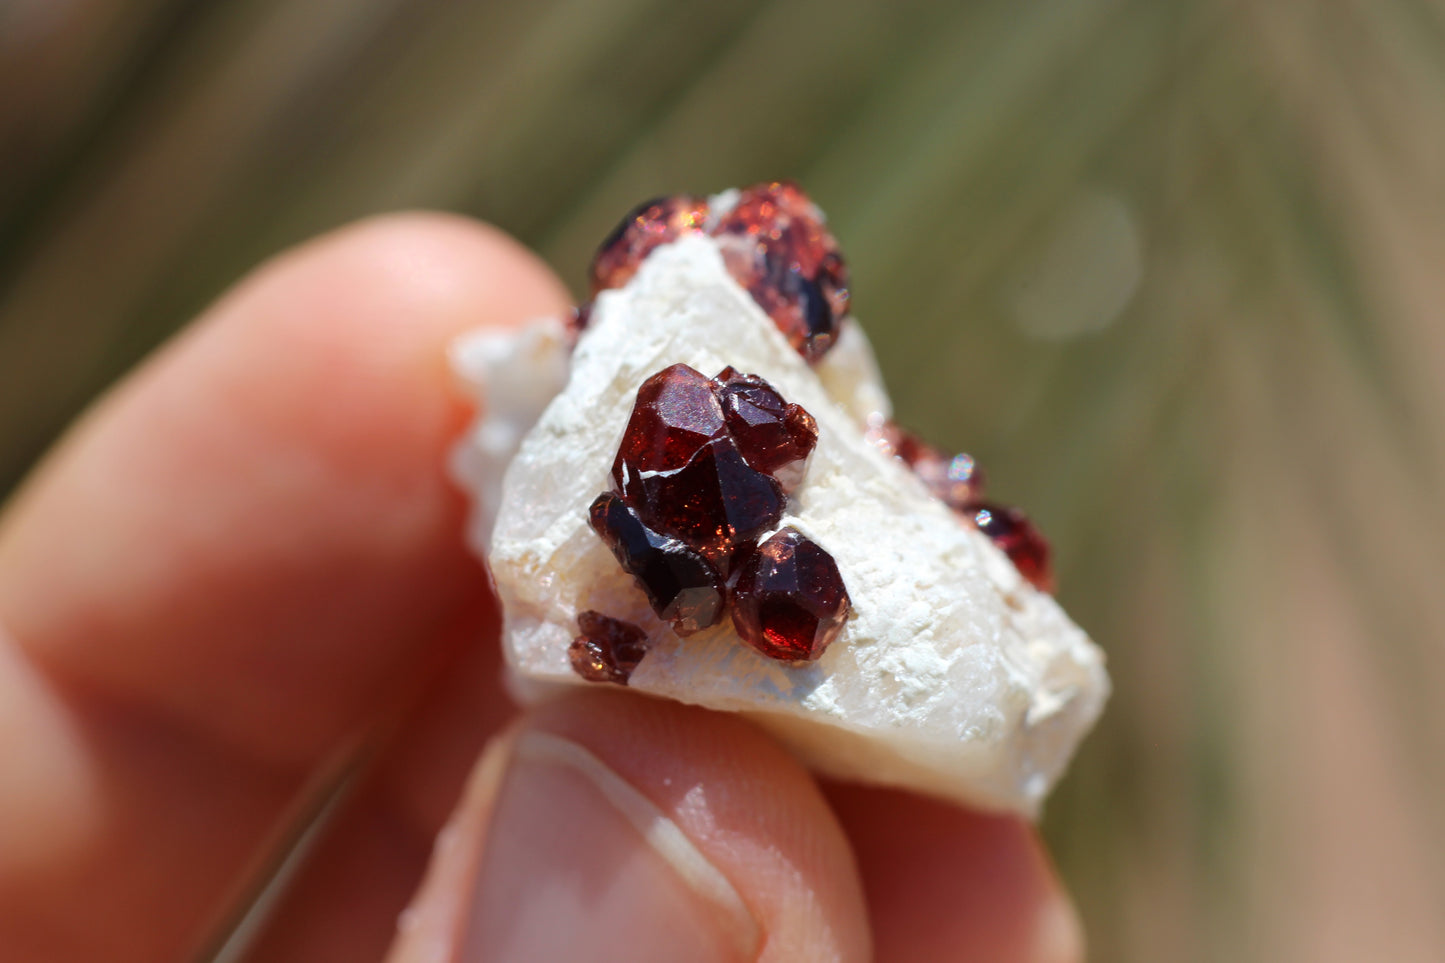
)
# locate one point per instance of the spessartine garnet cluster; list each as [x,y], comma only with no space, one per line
[704,470]
[774,243]
[706,464]
[958,482]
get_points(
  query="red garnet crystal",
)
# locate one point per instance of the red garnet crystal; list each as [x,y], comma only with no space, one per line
[648,226]
[686,475]
[682,587]
[774,436]
[789,602]
[676,412]
[1011,531]
[776,245]
[607,650]
[955,480]
[958,482]
[714,503]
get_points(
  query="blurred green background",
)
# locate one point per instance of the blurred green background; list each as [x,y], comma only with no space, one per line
[1174,271]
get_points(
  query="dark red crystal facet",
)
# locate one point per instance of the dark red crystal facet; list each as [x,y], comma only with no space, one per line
[682,587]
[687,475]
[1011,531]
[607,650]
[676,412]
[714,503]
[789,602]
[775,244]
[646,227]
[774,436]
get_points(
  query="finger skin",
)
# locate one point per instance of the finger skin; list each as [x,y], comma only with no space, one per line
[276,474]
[345,902]
[239,559]
[746,805]
[952,885]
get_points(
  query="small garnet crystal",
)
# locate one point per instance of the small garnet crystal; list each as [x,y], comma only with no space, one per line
[647,226]
[955,480]
[774,244]
[607,650]
[1011,531]
[682,587]
[958,482]
[789,602]
[774,436]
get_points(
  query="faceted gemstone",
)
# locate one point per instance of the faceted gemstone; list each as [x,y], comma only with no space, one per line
[607,650]
[680,584]
[675,414]
[645,228]
[956,480]
[789,602]
[1011,531]
[773,436]
[775,244]
[714,503]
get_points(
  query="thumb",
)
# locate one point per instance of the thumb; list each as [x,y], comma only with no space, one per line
[606,826]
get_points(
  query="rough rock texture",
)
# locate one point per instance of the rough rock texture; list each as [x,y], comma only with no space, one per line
[952,674]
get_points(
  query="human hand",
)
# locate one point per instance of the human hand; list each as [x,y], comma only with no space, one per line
[244,571]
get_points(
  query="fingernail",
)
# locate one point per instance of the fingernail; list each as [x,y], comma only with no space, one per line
[579,865]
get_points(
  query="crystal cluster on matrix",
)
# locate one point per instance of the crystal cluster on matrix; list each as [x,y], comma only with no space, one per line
[704,469]
[706,465]
[774,242]
[958,482]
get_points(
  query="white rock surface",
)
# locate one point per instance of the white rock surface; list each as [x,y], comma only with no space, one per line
[953,676]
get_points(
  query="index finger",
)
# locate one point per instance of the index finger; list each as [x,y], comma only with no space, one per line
[226,569]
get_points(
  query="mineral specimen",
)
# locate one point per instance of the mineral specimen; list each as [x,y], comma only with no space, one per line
[774,243]
[948,673]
